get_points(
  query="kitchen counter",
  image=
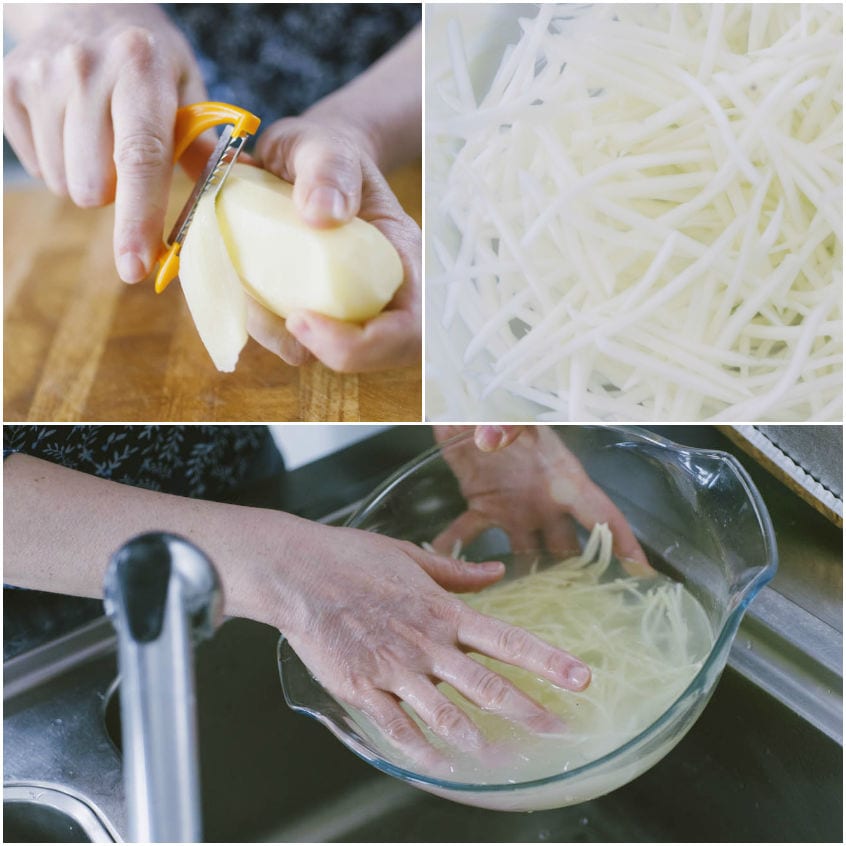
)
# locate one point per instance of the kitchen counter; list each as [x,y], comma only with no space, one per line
[82,346]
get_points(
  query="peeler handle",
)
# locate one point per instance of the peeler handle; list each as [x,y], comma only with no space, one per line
[191,122]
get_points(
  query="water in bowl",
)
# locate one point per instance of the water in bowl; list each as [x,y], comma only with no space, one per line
[645,638]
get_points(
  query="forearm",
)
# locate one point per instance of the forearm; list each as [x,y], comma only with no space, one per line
[384,103]
[61,527]
[21,20]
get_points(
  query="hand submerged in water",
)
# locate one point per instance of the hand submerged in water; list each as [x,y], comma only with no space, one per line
[523,480]
[379,627]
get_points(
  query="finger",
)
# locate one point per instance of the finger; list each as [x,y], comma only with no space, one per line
[560,535]
[143,111]
[383,710]
[391,339]
[446,719]
[455,575]
[196,156]
[194,159]
[469,525]
[461,532]
[88,144]
[494,694]
[192,89]
[444,433]
[491,438]
[516,646]
[589,505]
[525,538]
[325,167]
[269,330]
[46,122]
[16,126]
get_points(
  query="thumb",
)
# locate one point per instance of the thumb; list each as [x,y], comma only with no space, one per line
[492,438]
[460,576]
[327,186]
[324,165]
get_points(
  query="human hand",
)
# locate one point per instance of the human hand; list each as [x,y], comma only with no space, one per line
[491,438]
[529,484]
[91,93]
[335,177]
[372,618]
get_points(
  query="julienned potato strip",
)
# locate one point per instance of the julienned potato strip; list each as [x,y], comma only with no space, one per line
[639,217]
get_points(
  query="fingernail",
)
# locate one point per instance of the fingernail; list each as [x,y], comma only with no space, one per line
[130,268]
[326,203]
[578,677]
[489,438]
[491,566]
[637,568]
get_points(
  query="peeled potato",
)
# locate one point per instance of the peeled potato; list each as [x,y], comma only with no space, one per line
[349,272]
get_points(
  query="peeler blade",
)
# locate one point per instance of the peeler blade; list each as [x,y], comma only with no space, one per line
[214,174]
[190,121]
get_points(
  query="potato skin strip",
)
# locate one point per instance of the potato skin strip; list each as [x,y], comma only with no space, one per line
[212,289]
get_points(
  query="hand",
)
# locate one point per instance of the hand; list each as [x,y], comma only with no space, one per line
[91,93]
[335,179]
[533,488]
[491,438]
[373,620]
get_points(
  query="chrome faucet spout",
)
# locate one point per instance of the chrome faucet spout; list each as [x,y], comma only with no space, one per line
[162,595]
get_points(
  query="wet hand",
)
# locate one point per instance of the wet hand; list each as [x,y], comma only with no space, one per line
[376,623]
[523,480]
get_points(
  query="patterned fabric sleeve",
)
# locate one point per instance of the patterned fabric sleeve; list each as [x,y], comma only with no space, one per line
[197,461]
[277,59]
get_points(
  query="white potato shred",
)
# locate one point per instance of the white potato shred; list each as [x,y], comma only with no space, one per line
[635,212]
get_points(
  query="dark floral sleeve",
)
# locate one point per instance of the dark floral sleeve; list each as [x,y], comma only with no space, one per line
[197,461]
[277,59]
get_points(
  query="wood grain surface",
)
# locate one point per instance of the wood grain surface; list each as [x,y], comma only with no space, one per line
[80,345]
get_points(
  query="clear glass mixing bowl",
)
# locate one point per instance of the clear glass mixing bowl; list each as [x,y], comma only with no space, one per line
[695,512]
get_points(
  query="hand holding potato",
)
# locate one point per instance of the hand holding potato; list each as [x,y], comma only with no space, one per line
[335,179]
[91,94]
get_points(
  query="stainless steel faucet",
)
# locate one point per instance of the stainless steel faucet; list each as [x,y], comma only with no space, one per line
[162,595]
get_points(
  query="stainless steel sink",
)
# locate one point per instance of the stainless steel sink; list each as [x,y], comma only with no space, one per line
[751,769]
[763,763]
[37,814]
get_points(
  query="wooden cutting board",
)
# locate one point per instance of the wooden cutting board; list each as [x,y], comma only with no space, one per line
[80,345]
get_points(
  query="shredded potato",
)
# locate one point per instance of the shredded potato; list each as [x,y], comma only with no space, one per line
[637,215]
[643,638]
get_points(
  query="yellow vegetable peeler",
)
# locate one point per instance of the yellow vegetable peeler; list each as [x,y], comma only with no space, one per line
[190,122]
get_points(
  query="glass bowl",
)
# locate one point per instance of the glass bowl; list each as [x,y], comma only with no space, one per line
[695,512]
